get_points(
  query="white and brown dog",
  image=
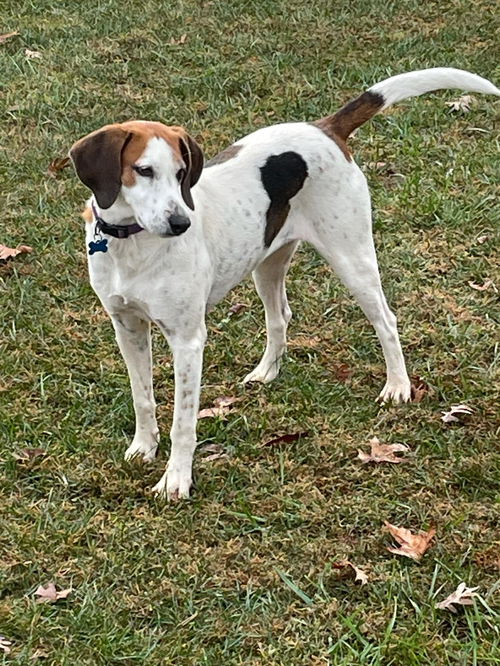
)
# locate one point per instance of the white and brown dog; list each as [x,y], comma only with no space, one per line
[169,237]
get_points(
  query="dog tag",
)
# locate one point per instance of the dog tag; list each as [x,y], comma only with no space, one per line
[100,245]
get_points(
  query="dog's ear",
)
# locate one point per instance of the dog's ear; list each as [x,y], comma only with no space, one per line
[193,159]
[97,159]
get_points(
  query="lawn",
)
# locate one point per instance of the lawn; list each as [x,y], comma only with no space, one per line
[243,572]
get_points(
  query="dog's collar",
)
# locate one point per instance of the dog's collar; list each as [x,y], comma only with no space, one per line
[115,230]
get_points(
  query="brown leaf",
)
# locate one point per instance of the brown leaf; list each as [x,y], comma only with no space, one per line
[26,455]
[456,413]
[236,308]
[419,389]
[412,545]
[462,104]
[5,644]
[360,574]
[32,55]
[58,164]
[483,287]
[182,40]
[342,372]
[47,594]
[222,405]
[286,439]
[215,452]
[9,252]
[226,400]
[8,35]
[382,452]
[463,595]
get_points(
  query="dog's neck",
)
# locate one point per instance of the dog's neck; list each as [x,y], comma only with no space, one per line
[119,213]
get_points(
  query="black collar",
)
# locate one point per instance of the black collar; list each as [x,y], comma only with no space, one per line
[115,230]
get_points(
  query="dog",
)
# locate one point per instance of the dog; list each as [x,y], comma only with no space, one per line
[169,236]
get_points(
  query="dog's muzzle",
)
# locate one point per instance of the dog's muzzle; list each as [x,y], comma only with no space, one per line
[178,225]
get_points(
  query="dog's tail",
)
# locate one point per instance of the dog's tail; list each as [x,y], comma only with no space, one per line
[392,90]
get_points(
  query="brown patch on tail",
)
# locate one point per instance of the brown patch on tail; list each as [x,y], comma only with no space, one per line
[351,116]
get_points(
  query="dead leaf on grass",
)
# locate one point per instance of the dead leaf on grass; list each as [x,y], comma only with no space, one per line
[286,439]
[25,455]
[47,594]
[411,545]
[32,55]
[360,574]
[463,596]
[456,413]
[5,644]
[215,451]
[342,372]
[11,252]
[8,35]
[383,452]
[483,287]
[419,389]
[462,104]
[176,42]
[222,405]
[236,308]
[57,165]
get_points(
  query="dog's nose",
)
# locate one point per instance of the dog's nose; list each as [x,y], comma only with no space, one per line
[179,224]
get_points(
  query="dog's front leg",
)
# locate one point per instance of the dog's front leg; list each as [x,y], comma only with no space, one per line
[187,350]
[134,339]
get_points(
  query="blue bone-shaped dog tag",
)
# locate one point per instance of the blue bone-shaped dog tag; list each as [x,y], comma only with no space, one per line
[98,246]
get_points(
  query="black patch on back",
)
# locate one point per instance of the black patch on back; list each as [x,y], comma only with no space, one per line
[282,176]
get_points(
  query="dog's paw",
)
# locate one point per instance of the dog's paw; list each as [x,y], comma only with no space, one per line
[141,448]
[173,485]
[396,391]
[261,374]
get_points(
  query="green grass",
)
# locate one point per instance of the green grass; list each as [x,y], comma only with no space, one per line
[241,573]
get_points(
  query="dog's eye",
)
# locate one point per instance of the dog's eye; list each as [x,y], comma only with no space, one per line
[180,174]
[147,172]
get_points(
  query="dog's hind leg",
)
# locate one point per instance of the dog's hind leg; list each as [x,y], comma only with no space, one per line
[134,339]
[269,279]
[349,249]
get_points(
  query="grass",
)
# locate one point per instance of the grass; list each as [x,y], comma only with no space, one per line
[242,573]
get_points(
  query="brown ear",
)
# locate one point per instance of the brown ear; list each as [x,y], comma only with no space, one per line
[193,159]
[97,161]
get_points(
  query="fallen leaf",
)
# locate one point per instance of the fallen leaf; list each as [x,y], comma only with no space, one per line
[5,644]
[47,594]
[342,372]
[58,164]
[237,308]
[382,452]
[286,439]
[222,405]
[482,287]
[28,454]
[8,35]
[39,654]
[9,252]
[463,595]
[482,239]
[32,55]
[461,410]
[462,104]
[412,545]
[419,389]
[360,574]
[225,401]
[182,40]
[215,452]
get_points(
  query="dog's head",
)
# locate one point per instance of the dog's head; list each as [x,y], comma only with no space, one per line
[149,166]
